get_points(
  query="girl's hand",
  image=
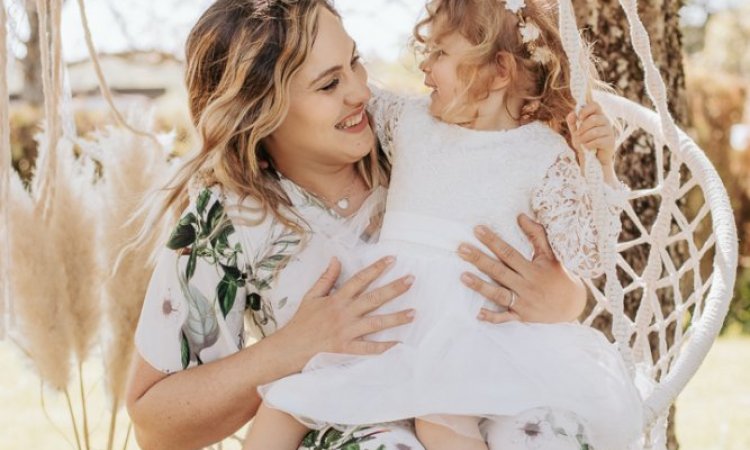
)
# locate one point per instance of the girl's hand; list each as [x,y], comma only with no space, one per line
[544,291]
[337,321]
[593,131]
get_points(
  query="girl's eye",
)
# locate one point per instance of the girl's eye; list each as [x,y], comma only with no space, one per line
[356,60]
[330,86]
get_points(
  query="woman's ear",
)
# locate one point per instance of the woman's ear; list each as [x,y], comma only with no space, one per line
[505,66]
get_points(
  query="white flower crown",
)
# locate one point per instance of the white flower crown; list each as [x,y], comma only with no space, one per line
[530,32]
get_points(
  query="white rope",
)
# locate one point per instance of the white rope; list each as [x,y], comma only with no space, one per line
[103,86]
[6,307]
[595,179]
[708,302]
[51,62]
[709,299]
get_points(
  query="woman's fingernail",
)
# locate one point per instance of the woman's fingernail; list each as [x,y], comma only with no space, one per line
[411,313]
[482,230]
[390,260]
[480,316]
[464,250]
[467,279]
[409,280]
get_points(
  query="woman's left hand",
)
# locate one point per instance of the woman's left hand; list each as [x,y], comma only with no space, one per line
[540,289]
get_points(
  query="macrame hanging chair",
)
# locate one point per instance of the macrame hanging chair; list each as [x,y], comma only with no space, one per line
[694,213]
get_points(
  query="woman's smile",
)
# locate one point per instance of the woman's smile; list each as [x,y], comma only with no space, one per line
[354,123]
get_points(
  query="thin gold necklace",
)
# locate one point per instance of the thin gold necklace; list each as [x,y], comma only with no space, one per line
[344,199]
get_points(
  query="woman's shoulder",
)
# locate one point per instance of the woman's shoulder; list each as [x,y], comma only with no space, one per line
[210,200]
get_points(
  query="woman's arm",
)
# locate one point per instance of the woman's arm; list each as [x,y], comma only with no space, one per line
[204,404]
[545,292]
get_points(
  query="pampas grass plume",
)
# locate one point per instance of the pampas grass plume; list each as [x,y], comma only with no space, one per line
[39,291]
[73,227]
[132,167]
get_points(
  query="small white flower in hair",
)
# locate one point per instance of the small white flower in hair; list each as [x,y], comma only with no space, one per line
[542,55]
[530,32]
[514,5]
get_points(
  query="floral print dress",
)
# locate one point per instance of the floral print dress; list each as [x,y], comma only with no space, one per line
[224,281]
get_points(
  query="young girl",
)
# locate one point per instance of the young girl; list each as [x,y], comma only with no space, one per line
[496,117]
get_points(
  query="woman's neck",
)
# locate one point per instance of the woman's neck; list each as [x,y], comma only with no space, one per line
[330,184]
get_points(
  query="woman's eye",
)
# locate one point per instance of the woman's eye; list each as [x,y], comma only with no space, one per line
[356,60]
[331,86]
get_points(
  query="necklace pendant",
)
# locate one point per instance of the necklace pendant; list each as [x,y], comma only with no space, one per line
[343,204]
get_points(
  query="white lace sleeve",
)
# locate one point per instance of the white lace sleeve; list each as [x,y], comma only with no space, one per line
[563,205]
[385,108]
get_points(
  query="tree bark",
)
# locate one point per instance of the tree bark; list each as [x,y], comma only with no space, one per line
[605,25]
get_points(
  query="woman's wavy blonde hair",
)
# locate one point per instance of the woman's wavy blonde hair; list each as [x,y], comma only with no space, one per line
[492,29]
[241,56]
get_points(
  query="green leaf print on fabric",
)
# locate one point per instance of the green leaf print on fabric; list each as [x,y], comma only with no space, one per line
[202,201]
[332,439]
[185,349]
[184,233]
[227,291]
[281,246]
[205,237]
[201,327]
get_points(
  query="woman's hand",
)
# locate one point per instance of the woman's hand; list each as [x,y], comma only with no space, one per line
[541,290]
[337,321]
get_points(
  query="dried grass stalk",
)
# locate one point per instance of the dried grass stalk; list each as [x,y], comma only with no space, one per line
[132,167]
[38,287]
[73,226]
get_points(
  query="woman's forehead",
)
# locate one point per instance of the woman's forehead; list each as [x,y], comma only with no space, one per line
[332,47]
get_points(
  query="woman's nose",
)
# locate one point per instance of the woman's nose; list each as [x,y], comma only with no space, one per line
[359,93]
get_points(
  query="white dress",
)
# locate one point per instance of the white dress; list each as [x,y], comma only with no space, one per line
[449,367]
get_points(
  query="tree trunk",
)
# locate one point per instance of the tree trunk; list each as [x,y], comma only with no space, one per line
[605,25]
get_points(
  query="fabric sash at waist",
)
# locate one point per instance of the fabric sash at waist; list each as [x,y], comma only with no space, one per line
[427,231]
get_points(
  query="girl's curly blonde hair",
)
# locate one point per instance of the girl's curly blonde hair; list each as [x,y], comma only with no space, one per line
[492,29]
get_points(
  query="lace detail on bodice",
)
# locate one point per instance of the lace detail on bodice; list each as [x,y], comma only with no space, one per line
[445,174]
[386,108]
[563,205]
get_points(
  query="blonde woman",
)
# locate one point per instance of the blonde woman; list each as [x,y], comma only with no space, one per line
[288,175]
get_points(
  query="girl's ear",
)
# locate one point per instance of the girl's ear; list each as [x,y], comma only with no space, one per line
[505,66]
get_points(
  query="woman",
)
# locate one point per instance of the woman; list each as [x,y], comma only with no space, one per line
[287,177]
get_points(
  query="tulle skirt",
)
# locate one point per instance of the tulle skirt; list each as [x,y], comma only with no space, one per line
[450,368]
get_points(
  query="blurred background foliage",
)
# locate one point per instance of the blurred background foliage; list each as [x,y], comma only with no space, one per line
[716,37]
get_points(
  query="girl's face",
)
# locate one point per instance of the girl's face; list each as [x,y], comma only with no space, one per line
[327,124]
[441,75]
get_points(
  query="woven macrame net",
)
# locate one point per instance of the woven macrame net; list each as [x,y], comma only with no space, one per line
[691,244]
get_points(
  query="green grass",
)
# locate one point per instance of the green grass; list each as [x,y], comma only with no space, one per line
[713,413]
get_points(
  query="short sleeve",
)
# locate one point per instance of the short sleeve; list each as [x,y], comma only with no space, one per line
[562,203]
[195,302]
[386,108]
